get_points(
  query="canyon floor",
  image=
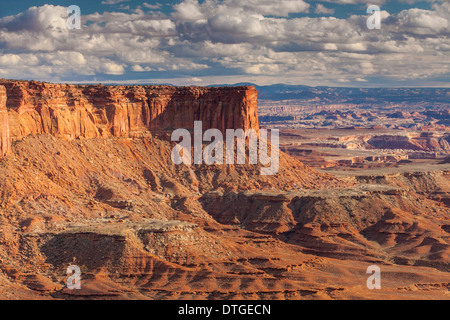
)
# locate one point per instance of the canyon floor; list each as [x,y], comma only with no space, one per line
[140,227]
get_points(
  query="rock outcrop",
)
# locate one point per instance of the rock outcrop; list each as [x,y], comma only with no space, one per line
[141,227]
[5,142]
[71,111]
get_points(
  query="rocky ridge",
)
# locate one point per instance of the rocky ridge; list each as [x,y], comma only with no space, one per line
[73,111]
[112,202]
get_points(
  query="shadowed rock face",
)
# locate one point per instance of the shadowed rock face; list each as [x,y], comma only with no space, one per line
[141,227]
[5,143]
[69,111]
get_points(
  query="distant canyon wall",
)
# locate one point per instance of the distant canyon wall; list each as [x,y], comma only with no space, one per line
[90,111]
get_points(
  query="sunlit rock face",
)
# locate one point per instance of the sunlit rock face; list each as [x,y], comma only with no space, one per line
[71,111]
[5,142]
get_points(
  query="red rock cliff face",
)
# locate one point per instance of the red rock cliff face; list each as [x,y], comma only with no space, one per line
[71,111]
[5,142]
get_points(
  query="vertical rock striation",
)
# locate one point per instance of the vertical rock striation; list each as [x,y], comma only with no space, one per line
[5,141]
[71,111]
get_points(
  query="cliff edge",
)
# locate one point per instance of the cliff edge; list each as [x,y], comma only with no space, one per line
[5,141]
[91,111]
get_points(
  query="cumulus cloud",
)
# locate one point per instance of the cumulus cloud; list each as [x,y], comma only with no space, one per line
[152,6]
[112,68]
[192,10]
[422,22]
[321,9]
[188,10]
[280,8]
[47,19]
[138,68]
[247,38]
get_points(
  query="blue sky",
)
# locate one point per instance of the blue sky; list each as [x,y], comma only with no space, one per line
[191,42]
[92,6]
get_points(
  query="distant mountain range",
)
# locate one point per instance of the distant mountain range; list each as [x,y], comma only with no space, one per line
[360,96]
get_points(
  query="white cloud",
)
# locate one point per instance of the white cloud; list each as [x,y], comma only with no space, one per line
[110,67]
[138,68]
[192,10]
[377,2]
[48,20]
[188,10]
[422,22]
[259,39]
[321,9]
[262,68]
[280,8]
[8,60]
[152,6]
[111,2]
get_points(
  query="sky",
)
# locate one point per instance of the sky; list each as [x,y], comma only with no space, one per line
[192,42]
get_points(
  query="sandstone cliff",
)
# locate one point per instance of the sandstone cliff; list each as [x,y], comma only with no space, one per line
[5,143]
[71,111]
[140,227]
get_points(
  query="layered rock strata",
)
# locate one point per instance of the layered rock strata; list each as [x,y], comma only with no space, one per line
[5,142]
[72,111]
